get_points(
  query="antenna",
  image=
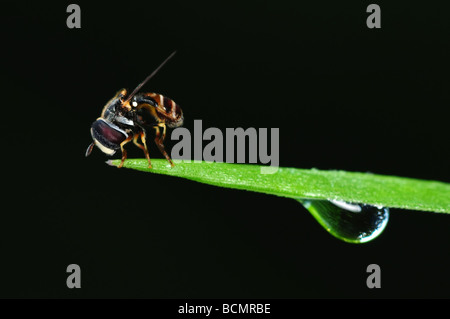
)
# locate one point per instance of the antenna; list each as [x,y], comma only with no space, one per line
[148,78]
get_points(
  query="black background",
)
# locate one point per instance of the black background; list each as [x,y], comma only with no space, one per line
[344,97]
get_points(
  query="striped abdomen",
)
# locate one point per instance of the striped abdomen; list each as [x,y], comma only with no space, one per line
[166,109]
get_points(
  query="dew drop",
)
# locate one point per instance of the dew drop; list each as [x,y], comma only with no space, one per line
[353,223]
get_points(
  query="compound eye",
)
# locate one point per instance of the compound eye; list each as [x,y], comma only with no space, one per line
[107,136]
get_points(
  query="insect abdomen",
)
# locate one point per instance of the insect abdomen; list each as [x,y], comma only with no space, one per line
[167,109]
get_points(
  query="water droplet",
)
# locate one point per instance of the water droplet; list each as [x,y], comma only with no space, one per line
[353,223]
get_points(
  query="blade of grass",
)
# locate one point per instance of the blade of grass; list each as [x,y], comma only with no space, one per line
[372,189]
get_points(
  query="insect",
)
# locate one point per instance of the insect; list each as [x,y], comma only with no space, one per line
[126,118]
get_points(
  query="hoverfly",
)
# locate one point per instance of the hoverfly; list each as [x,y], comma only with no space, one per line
[126,118]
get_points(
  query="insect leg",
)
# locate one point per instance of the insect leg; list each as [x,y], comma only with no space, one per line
[159,139]
[143,147]
[124,152]
[135,141]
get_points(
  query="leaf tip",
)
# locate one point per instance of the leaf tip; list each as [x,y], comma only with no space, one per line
[110,163]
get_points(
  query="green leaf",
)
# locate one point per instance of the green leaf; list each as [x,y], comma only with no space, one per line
[367,188]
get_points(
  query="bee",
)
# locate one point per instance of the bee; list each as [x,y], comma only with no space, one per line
[126,118]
